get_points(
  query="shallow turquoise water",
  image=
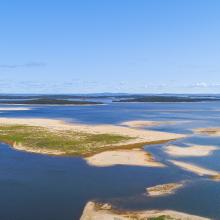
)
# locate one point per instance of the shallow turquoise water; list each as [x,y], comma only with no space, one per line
[52,188]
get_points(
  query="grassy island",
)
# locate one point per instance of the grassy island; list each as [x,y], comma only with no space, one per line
[43,140]
[51,136]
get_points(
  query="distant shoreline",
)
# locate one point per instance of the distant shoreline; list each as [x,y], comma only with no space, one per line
[50,102]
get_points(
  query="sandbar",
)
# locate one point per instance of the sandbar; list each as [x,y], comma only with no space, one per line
[143,123]
[197,169]
[191,151]
[14,109]
[95,211]
[208,131]
[132,157]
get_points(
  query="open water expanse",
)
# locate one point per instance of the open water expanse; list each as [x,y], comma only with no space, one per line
[40,187]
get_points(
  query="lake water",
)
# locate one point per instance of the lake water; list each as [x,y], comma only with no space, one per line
[34,187]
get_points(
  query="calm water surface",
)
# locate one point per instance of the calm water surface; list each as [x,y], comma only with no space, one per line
[34,187]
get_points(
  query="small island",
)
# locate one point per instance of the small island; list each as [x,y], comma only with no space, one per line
[155,98]
[215,131]
[39,139]
[164,189]
[47,101]
[50,136]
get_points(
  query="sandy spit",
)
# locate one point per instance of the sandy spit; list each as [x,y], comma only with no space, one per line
[92,211]
[197,169]
[192,151]
[133,157]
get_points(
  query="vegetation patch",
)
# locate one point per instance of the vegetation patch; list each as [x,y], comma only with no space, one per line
[67,142]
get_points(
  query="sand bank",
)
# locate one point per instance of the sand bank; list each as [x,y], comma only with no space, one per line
[14,109]
[138,135]
[192,151]
[164,189]
[208,131]
[142,123]
[197,169]
[94,211]
[133,157]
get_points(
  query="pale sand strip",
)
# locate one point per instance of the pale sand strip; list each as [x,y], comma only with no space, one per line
[164,189]
[133,157]
[92,211]
[196,169]
[192,151]
[208,131]
[14,109]
[142,123]
[139,136]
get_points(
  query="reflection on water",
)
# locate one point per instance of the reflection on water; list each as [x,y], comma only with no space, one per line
[53,188]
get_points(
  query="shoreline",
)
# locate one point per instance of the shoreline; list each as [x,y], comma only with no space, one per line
[97,211]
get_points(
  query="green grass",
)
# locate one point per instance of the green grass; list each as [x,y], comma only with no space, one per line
[69,142]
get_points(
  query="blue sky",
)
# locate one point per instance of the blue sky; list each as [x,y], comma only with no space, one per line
[141,46]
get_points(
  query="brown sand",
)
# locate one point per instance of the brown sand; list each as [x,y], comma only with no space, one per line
[208,131]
